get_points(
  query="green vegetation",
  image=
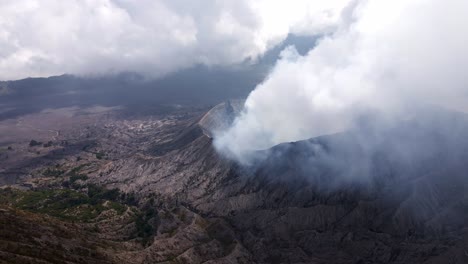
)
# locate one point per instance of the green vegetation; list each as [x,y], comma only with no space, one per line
[88,145]
[48,144]
[76,177]
[77,169]
[98,193]
[62,203]
[87,148]
[143,224]
[84,204]
[53,172]
[100,155]
[129,198]
[34,143]
[75,174]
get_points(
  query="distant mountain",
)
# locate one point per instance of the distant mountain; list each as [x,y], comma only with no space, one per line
[195,86]
[198,85]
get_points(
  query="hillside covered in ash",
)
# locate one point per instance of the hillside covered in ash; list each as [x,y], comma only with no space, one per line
[147,188]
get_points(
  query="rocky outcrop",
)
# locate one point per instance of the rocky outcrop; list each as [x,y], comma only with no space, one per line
[220,117]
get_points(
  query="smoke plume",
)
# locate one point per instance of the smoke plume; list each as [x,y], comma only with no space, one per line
[390,59]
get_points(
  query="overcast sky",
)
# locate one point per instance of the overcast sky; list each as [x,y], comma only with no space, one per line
[51,37]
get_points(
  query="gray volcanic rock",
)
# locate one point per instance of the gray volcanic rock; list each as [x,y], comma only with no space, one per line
[303,204]
[220,117]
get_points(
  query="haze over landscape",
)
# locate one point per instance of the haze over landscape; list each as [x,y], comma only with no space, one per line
[257,131]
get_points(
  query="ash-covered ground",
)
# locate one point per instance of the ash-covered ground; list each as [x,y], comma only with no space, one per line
[108,185]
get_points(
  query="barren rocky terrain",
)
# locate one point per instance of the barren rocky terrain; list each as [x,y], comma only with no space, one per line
[106,185]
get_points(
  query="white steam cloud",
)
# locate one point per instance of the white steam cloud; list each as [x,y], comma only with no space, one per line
[384,57]
[50,37]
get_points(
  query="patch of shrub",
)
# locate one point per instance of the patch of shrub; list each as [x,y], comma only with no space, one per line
[129,198]
[77,177]
[48,144]
[100,155]
[34,143]
[97,193]
[144,229]
[52,172]
[62,203]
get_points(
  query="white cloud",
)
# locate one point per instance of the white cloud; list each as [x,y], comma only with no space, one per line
[48,37]
[385,56]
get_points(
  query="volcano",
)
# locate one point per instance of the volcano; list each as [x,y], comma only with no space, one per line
[368,195]
[399,198]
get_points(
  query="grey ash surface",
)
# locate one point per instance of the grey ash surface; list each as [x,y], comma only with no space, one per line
[213,210]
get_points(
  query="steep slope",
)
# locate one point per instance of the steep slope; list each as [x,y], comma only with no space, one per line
[396,195]
[31,238]
[220,117]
